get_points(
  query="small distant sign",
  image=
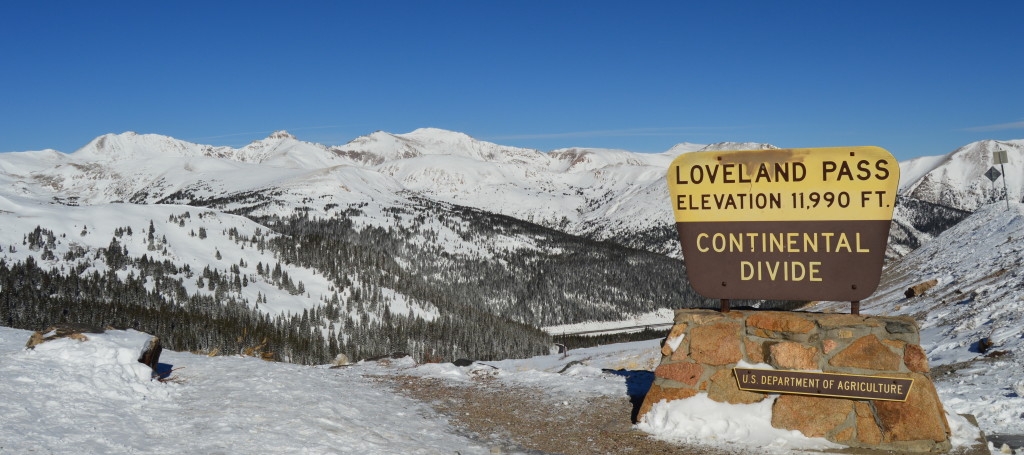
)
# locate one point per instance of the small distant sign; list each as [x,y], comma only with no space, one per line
[999,157]
[857,387]
[993,174]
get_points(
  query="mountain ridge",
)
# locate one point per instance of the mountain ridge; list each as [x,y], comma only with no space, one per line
[605,194]
[568,189]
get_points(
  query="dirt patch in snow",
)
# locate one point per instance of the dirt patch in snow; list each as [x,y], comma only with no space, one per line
[523,419]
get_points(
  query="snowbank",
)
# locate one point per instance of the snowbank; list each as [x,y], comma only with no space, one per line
[701,420]
[93,397]
[609,370]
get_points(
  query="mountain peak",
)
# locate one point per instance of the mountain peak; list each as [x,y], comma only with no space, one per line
[132,145]
[436,133]
[430,129]
[731,146]
[281,134]
[686,147]
[957,179]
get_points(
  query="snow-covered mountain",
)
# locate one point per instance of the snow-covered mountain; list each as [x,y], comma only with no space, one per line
[406,215]
[957,179]
[507,226]
[599,193]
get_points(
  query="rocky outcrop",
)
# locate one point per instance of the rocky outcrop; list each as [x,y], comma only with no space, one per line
[150,355]
[920,288]
[73,331]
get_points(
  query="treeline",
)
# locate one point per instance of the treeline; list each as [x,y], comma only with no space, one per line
[922,216]
[92,287]
[571,279]
[33,298]
[439,282]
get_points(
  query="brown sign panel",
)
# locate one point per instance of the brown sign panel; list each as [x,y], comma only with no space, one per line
[799,260]
[801,224]
[852,386]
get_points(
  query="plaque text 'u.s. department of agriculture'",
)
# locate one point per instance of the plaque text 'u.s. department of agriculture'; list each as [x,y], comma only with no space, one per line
[853,386]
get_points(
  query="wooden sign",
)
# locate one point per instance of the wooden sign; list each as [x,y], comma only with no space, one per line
[800,224]
[852,386]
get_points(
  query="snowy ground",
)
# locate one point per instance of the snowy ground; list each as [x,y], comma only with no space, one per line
[93,397]
[68,396]
[696,422]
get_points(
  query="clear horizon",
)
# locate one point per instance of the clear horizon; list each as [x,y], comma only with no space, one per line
[916,80]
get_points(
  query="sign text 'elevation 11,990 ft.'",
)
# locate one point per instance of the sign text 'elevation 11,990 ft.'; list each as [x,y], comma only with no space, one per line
[801,224]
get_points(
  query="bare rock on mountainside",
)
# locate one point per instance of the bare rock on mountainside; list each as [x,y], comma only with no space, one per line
[920,288]
[73,331]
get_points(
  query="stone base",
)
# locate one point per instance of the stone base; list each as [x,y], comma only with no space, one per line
[703,347]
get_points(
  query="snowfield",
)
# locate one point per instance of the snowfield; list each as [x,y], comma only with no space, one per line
[67,396]
[93,397]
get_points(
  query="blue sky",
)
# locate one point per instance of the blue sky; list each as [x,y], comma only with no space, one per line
[918,78]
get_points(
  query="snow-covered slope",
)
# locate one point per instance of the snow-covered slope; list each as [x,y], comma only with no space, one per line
[412,186]
[400,210]
[381,147]
[67,396]
[958,179]
[600,193]
[134,146]
[980,295]
[82,234]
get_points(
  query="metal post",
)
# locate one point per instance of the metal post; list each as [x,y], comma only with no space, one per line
[1006,194]
[725,305]
[855,307]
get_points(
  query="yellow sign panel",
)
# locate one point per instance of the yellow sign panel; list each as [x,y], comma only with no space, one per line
[842,183]
[802,224]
